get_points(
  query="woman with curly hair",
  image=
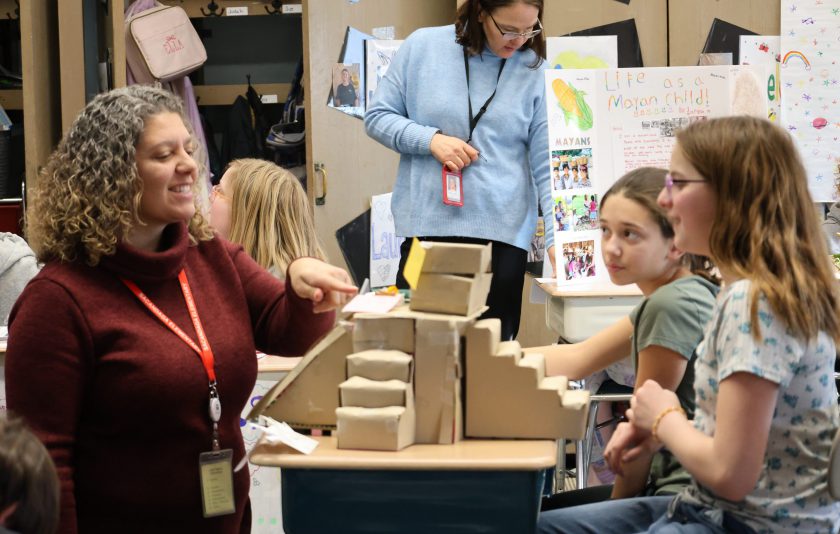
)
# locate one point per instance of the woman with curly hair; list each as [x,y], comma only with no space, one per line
[263,207]
[144,325]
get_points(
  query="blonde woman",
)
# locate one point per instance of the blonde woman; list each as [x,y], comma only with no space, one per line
[264,208]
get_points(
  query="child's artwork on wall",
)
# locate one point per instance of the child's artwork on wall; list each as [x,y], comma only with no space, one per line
[810,75]
[384,243]
[582,52]
[378,56]
[603,123]
[764,50]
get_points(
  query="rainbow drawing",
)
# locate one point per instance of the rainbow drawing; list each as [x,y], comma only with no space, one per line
[797,54]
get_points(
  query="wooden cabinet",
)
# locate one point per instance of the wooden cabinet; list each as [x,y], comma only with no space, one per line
[357,166]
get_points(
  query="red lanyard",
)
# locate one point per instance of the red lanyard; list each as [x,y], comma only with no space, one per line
[205,353]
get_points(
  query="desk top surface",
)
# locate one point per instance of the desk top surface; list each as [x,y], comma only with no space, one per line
[601,289]
[471,454]
[277,364]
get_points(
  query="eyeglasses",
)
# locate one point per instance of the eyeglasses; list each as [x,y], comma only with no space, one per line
[670,182]
[216,192]
[510,36]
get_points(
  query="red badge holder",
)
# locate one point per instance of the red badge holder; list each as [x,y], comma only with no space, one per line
[453,190]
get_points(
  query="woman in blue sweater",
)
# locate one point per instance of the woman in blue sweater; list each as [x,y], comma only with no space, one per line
[466,102]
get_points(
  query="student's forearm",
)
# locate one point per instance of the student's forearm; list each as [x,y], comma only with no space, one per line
[696,452]
[634,479]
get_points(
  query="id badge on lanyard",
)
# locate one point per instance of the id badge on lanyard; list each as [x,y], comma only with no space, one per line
[453,181]
[452,187]
[215,467]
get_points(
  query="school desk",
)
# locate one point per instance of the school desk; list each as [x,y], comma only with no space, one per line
[473,486]
[576,312]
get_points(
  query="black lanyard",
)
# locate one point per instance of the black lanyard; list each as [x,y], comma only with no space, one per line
[474,120]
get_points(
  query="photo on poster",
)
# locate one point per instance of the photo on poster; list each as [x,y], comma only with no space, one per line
[571,169]
[578,260]
[576,213]
[345,81]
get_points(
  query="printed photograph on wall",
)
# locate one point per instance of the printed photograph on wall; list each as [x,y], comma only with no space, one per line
[345,80]
[570,169]
[579,259]
[576,213]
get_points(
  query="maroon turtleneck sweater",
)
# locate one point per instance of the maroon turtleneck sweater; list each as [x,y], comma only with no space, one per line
[121,402]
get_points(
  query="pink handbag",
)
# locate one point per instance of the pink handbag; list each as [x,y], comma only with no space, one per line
[161,44]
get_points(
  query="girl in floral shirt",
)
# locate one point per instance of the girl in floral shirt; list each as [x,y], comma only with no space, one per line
[758,448]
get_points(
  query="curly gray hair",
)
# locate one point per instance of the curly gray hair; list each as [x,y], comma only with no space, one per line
[88,195]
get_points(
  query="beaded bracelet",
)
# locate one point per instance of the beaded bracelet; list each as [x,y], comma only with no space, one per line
[659,417]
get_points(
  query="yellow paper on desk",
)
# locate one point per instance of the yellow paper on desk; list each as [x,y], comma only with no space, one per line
[414,263]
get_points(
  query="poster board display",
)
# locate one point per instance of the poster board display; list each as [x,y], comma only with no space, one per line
[810,75]
[603,123]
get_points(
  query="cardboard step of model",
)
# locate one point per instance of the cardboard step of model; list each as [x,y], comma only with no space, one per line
[380,365]
[508,396]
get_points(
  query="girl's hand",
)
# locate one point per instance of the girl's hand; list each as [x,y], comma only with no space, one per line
[627,444]
[647,402]
[452,152]
[329,287]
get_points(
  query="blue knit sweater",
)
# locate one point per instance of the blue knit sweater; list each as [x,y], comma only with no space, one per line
[425,90]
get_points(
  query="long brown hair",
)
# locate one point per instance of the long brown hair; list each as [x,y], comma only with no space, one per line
[643,186]
[469,31]
[766,228]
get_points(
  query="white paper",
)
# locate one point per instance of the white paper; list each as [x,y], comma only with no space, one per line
[378,56]
[384,243]
[582,52]
[372,303]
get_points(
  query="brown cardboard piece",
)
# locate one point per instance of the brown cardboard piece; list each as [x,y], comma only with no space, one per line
[508,396]
[380,429]
[308,396]
[455,258]
[381,364]
[366,393]
[437,380]
[449,293]
[383,332]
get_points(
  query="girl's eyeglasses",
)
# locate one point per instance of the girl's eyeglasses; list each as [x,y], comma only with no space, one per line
[216,192]
[670,182]
[510,36]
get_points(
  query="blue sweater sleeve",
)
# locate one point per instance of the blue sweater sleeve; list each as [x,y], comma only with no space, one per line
[540,167]
[386,120]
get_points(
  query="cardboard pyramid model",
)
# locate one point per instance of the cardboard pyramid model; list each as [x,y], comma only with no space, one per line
[429,372]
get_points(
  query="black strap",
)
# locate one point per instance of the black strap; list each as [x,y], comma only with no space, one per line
[474,120]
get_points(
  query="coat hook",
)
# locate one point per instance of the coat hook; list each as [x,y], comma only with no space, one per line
[212,6]
[17,12]
[276,8]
